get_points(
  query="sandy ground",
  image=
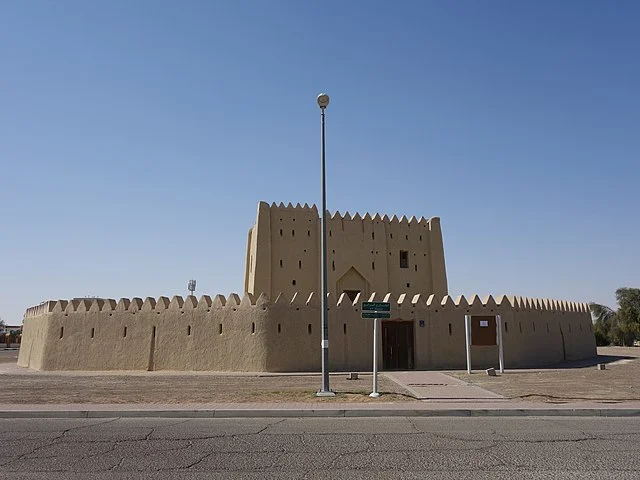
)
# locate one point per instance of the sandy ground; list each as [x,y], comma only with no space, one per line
[571,382]
[620,381]
[18,385]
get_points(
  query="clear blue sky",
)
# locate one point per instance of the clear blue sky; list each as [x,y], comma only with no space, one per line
[136,138]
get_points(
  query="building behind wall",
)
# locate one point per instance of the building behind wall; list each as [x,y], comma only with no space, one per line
[364,254]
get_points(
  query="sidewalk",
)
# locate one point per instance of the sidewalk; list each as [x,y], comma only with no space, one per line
[251,410]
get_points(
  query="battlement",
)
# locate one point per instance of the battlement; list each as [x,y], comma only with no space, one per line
[336,216]
[249,301]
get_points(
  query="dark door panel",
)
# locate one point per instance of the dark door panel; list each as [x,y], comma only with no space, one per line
[397,345]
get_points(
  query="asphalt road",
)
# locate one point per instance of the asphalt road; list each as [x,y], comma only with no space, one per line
[314,448]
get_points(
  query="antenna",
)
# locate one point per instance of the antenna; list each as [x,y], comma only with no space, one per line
[191,286]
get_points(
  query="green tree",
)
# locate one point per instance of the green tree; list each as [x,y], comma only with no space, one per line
[619,327]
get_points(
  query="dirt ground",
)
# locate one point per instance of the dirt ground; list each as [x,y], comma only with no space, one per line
[571,382]
[619,382]
[19,385]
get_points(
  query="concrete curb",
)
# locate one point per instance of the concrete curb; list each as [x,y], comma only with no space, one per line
[323,413]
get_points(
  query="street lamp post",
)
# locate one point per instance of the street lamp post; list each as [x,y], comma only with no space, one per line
[323,101]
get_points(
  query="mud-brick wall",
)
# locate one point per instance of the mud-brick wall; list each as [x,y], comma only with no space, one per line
[256,334]
[211,334]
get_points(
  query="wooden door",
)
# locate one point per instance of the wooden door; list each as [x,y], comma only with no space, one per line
[397,345]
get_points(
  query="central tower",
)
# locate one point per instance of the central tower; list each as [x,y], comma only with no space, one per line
[364,254]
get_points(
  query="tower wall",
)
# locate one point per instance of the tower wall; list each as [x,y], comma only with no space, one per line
[363,253]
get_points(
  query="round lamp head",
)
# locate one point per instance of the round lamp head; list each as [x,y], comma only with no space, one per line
[323,100]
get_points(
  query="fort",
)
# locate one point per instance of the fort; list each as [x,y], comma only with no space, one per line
[275,325]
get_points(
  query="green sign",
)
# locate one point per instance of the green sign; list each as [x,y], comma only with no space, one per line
[376,307]
[375,315]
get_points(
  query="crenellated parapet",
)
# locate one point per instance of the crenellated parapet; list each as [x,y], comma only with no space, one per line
[248,301]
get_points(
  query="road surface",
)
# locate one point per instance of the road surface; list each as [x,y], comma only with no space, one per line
[315,448]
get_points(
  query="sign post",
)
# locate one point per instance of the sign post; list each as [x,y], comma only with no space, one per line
[375,310]
[467,331]
[500,351]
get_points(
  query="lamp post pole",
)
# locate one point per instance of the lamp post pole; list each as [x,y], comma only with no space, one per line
[323,101]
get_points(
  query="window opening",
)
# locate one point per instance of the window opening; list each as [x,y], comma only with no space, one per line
[404,259]
[352,294]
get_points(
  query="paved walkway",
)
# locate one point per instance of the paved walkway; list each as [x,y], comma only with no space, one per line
[438,386]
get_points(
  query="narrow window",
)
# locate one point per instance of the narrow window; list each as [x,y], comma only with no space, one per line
[189,330]
[61,332]
[408,285]
[293,282]
[404,259]
[506,327]
[534,326]
[253,327]
[415,267]
[407,237]
[280,232]
[293,233]
[279,328]
[300,264]
[93,332]
[280,263]
[329,232]
[373,265]
[308,233]
[420,237]
[344,328]
[450,331]
[391,235]
[124,333]
[333,265]
[309,329]
[520,325]
[220,329]
[373,235]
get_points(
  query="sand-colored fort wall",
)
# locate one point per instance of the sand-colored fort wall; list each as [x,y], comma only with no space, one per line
[256,334]
[362,253]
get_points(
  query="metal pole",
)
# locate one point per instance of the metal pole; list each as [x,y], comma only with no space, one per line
[467,330]
[375,393]
[500,351]
[326,391]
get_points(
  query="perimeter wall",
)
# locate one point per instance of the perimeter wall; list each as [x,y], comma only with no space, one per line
[256,334]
